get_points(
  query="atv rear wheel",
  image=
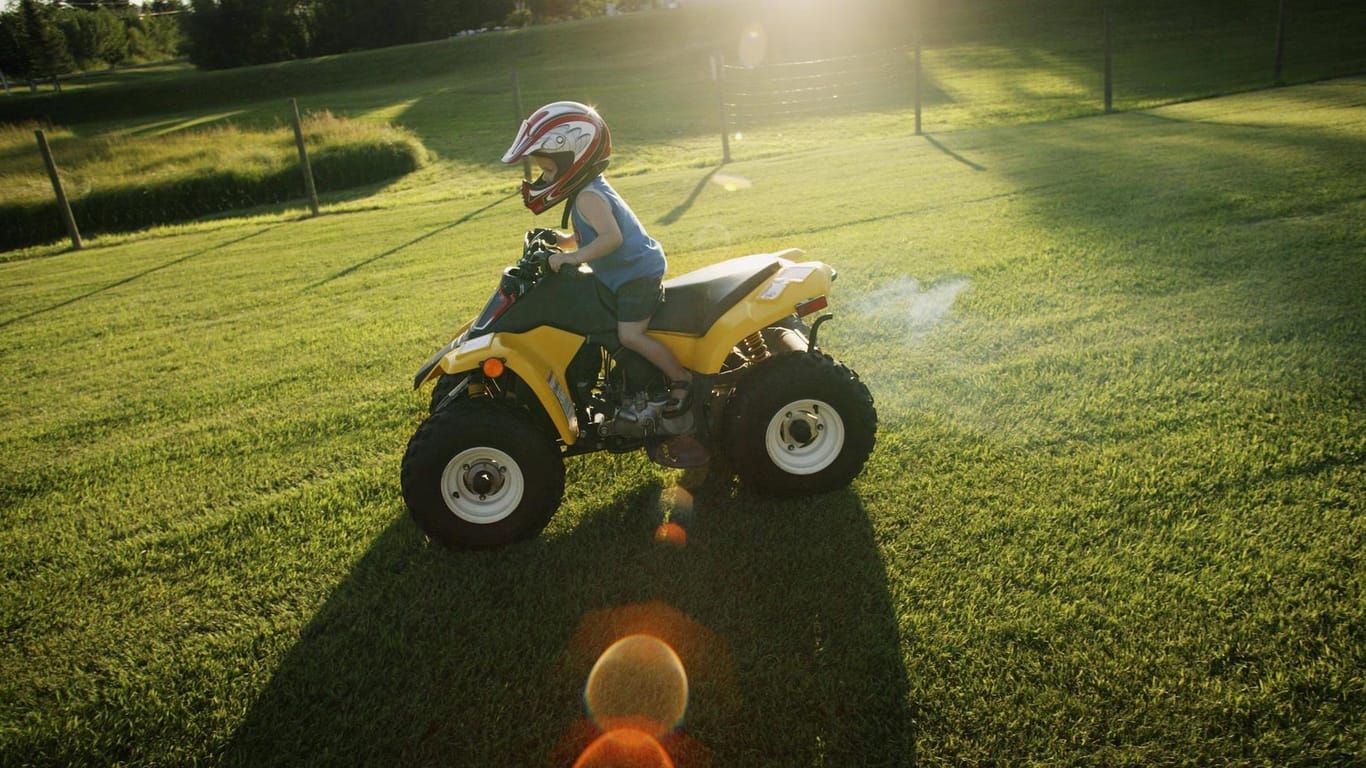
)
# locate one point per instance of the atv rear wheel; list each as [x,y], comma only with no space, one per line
[477,474]
[800,424]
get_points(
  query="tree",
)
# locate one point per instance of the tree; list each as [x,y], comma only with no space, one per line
[94,38]
[158,32]
[46,46]
[233,33]
[13,45]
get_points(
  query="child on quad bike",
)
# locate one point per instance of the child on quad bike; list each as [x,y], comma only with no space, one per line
[570,144]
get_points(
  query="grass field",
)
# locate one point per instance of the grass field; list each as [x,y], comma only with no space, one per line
[1114,516]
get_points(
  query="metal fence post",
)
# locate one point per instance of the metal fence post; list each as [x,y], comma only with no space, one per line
[718,73]
[916,82]
[67,217]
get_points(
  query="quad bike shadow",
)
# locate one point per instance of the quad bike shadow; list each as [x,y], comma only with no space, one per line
[421,658]
[540,376]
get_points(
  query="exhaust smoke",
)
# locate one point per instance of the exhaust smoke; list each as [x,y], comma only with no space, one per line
[907,308]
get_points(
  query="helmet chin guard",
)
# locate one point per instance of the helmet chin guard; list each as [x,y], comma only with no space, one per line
[575,137]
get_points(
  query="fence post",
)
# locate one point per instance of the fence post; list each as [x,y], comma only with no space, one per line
[67,217]
[1280,44]
[916,86]
[4,81]
[303,158]
[718,74]
[1109,56]
[517,118]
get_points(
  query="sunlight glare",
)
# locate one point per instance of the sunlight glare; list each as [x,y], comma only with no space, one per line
[731,182]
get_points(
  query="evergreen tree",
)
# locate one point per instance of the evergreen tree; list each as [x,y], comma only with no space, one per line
[13,46]
[46,46]
[94,38]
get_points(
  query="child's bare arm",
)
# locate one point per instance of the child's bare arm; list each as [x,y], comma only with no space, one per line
[598,214]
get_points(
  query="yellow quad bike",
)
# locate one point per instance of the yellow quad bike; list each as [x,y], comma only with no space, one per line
[540,376]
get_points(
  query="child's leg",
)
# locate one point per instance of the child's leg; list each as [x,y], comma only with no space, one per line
[636,303]
[632,335]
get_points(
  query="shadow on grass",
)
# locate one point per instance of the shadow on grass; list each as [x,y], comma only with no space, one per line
[683,207]
[138,276]
[380,256]
[937,145]
[780,613]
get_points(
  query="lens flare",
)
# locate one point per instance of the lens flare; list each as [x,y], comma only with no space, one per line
[731,182]
[638,683]
[753,46]
[671,533]
[625,748]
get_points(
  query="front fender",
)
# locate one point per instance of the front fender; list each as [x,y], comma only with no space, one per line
[539,357]
[429,370]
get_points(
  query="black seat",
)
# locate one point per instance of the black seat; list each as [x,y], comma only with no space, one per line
[693,302]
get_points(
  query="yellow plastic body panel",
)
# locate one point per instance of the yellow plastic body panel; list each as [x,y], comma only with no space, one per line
[772,301]
[539,357]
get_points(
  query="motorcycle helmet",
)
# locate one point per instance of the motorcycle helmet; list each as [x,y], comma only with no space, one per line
[571,134]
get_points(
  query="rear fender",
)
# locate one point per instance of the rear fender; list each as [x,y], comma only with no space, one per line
[539,357]
[766,305]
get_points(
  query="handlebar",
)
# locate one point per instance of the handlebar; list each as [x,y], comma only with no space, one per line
[537,247]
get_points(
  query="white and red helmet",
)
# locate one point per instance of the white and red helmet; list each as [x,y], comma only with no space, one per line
[575,137]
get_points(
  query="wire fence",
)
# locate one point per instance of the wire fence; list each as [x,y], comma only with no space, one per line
[1129,55]
[804,88]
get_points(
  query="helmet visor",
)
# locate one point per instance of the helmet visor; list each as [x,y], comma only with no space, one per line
[520,145]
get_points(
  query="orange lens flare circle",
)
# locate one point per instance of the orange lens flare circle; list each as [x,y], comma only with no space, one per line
[625,748]
[637,683]
[672,534]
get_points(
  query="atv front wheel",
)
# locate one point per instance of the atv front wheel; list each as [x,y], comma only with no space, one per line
[477,474]
[444,384]
[800,424]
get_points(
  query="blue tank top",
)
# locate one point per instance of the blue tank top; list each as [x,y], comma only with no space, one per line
[638,256]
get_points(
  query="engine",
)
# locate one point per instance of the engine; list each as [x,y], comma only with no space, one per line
[640,417]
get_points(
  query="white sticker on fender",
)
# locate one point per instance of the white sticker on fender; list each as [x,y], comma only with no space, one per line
[474,345]
[793,274]
[566,404]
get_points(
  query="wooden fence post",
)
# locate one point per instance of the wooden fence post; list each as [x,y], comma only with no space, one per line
[303,158]
[1109,75]
[518,116]
[62,203]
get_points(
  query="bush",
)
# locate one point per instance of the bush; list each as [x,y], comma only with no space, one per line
[186,177]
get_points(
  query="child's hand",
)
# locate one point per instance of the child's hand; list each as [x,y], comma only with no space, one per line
[558,260]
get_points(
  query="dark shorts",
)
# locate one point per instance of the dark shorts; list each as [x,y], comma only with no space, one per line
[638,299]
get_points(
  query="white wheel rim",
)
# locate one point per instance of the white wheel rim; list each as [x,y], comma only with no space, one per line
[804,437]
[482,485]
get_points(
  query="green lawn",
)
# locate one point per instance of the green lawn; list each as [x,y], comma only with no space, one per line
[1114,516]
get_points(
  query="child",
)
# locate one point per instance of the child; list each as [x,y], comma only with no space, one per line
[571,146]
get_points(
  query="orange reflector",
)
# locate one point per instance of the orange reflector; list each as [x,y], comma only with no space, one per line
[812,305]
[493,367]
